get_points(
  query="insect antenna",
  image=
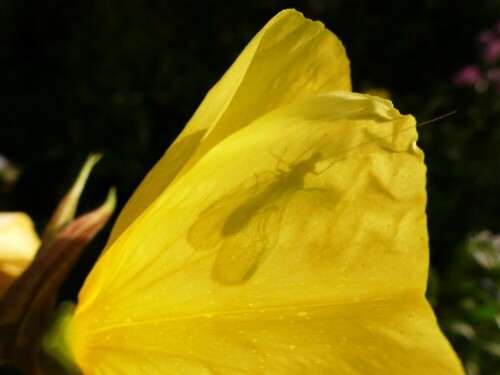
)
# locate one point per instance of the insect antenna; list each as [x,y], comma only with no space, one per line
[437,118]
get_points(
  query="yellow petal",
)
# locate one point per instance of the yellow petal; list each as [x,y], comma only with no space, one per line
[289,59]
[18,245]
[375,337]
[315,213]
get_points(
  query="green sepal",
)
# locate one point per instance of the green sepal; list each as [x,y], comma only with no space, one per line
[56,357]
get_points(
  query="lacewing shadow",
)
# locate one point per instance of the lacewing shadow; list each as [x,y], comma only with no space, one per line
[245,222]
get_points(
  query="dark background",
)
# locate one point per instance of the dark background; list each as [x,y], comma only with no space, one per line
[122,77]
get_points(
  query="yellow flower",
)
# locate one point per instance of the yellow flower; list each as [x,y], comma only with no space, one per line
[284,232]
[18,245]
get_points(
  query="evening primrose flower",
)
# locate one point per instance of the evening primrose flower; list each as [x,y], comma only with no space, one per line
[18,245]
[283,232]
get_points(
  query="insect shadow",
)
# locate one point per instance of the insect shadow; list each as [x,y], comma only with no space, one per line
[245,222]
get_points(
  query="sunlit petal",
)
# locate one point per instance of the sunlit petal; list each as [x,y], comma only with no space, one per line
[306,60]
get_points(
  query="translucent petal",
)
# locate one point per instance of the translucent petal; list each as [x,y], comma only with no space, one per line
[332,275]
[289,59]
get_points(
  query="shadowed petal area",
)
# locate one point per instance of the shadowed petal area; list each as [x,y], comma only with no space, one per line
[290,58]
[316,261]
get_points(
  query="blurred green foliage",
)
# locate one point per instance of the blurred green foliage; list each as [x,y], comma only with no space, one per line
[469,298]
[122,77]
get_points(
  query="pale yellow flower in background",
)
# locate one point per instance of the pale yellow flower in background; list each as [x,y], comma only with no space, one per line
[19,243]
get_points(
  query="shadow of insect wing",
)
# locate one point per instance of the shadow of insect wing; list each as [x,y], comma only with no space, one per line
[245,222]
[242,253]
[207,230]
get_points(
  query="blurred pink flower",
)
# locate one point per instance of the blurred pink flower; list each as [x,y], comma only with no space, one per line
[490,44]
[486,72]
[468,76]
[491,51]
